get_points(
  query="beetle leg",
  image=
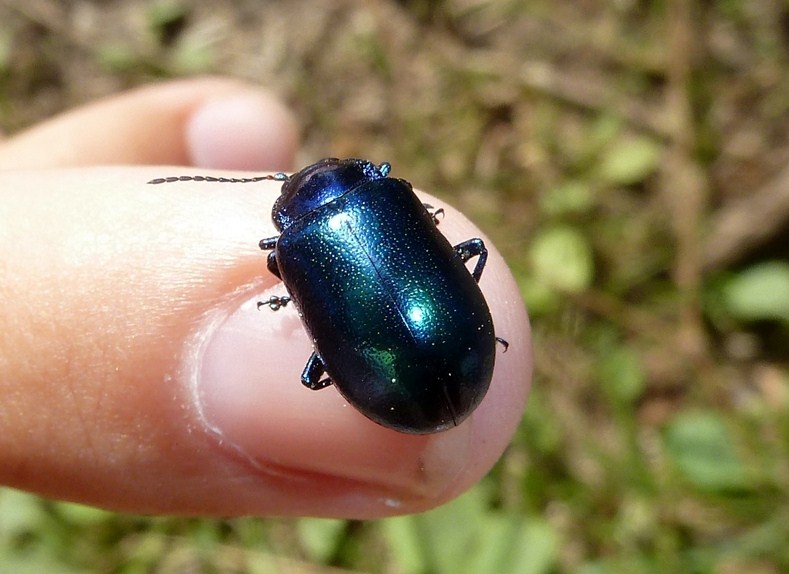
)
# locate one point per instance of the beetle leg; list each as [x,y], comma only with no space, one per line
[471,248]
[434,212]
[273,266]
[275,302]
[504,343]
[268,243]
[313,370]
[271,262]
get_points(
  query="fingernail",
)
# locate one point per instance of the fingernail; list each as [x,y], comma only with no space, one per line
[248,392]
[250,131]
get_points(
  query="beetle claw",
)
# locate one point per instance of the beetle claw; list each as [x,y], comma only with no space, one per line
[274,302]
[434,212]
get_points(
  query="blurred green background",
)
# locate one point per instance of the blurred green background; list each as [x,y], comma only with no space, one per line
[628,157]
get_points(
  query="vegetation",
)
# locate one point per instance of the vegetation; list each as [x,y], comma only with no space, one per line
[629,159]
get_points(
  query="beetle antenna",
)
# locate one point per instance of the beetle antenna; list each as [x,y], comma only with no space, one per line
[172,179]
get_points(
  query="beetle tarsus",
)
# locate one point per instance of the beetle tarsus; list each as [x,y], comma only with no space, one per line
[268,243]
[504,344]
[275,303]
[472,248]
[313,371]
[434,212]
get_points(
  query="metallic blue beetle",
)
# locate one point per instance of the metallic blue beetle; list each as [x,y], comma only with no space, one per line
[398,323]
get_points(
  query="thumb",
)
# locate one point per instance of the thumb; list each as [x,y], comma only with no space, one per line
[137,374]
[209,122]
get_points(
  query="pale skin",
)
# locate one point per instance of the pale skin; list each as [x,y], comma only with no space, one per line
[136,372]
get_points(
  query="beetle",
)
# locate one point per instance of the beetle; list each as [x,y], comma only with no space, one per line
[399,325]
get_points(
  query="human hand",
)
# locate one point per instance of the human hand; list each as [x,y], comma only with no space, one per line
[136,372]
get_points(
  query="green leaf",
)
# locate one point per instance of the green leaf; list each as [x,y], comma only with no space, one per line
[536,549]
[496,534]
[700,445]
[467,537]
[561,258]
[320,537]
[35,562]
[630,160]
[6,50]
[508,543]
[161,14]
[622,375]
[624,564]
[406,547]
[539,297]
[116,57]
[442,540]
[570,197]
[20,513]
[82,514]
[194,55]
[451,532]
[759,292]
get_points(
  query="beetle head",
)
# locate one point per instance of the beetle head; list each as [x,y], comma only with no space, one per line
[322,183]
